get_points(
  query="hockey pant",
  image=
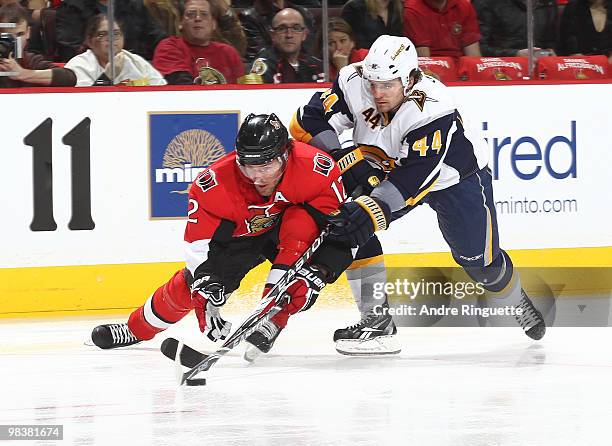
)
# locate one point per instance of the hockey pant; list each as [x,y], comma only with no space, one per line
[468,221]
[282,246]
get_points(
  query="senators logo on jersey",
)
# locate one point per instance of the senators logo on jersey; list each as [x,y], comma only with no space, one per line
[261,218]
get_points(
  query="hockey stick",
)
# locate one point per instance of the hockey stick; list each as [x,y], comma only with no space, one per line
[189,357]
[256,318]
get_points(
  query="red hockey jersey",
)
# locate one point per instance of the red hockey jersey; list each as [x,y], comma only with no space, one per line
[222,194]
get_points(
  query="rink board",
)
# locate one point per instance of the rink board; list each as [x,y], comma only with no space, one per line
[118,289]
[107,247]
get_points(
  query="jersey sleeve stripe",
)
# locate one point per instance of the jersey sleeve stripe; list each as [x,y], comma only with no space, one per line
[297,130]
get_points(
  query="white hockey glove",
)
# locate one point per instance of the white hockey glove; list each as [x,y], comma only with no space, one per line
[207,295]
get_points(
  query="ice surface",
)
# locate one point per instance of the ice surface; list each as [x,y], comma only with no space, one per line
[449,386]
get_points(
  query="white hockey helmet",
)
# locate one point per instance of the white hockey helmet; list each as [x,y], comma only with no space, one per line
[390,57]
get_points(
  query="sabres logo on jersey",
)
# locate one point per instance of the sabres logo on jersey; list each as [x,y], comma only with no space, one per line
[379,157]
[358,71]
[419,98]
[206,180]
[323,164]
[261,218]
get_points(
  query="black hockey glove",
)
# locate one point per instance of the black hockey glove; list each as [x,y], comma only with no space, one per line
[358,176]
[207,295]
[356,221]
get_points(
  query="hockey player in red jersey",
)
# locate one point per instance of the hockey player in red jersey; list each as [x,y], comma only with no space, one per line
[267,200]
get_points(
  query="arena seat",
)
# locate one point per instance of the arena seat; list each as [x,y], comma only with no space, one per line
[443,68]
[492,68]
[572,68]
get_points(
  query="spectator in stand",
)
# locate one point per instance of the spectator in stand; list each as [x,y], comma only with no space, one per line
[257,22]
[342,46]
[285,62]
[30,69]
[442,27]
[141,33]
[503,25]
[181,59]
[304,3]
[33,7]
[92,68]
[586,28]
[229,30]
[373,18]
[166,15]
[35,44]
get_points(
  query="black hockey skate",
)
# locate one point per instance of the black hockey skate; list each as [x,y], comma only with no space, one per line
[113,335]
[530,320]
[261,340]
[374,334]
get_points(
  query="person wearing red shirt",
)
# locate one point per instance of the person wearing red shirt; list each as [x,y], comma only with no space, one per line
[267,200]
[180,59]
[447,28]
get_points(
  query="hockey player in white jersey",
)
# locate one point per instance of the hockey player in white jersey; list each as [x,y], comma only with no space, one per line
[411,147]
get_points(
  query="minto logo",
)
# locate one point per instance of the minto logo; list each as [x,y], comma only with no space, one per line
[181,146]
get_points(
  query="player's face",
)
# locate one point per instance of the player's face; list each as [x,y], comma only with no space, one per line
[265,177]
[388,95]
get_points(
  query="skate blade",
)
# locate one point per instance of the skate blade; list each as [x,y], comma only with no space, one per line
[379,346]
[251,353]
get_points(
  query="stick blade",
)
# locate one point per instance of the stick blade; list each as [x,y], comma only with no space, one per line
[178,367]
[189,357]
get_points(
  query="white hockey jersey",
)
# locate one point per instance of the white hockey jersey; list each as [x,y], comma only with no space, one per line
[423,146]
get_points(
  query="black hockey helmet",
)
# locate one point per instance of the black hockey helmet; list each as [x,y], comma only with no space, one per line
[261,138]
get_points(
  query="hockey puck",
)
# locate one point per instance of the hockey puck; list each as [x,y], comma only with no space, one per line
[196,382]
